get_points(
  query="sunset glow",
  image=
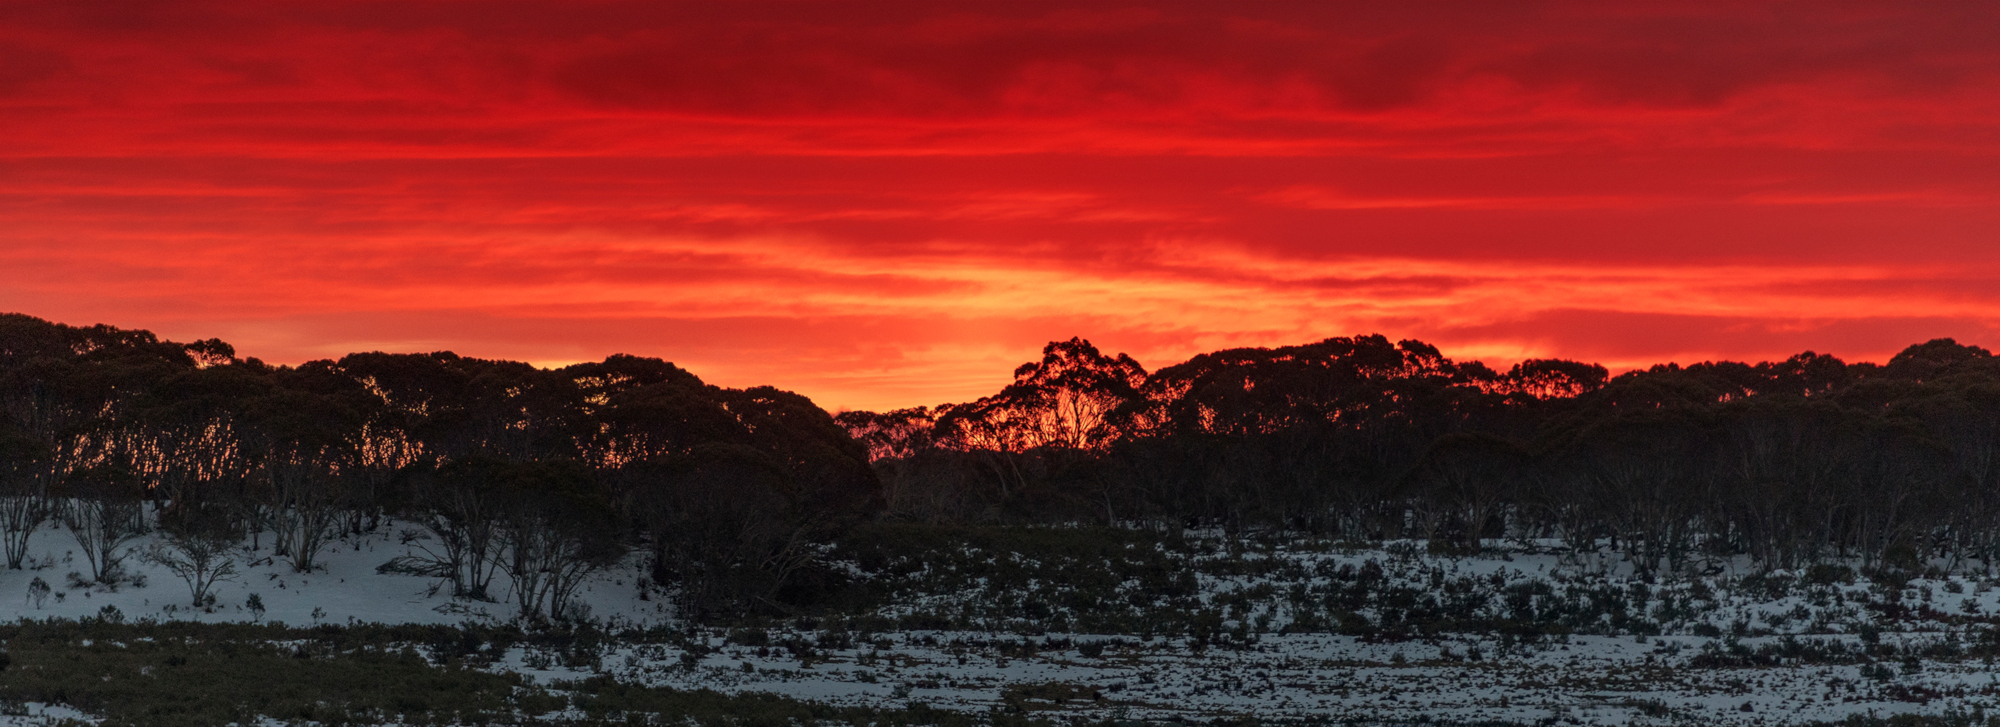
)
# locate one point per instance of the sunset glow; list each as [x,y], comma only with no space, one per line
[892,204]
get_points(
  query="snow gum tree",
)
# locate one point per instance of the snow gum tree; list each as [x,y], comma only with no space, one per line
[458,507]
[23,502]
[303,449]
[101,509]
[304,517]
[559,529]
[197,544]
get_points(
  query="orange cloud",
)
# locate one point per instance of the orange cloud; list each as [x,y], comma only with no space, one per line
[880,205]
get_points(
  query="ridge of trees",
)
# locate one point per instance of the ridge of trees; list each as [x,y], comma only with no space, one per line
[1791,462]
[544,475]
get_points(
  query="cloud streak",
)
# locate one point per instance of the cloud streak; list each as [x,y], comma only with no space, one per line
[880,206]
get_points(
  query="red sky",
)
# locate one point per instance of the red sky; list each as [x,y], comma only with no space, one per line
[893,203]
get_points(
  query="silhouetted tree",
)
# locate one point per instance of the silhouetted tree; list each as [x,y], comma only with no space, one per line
[24,499]
[100,506]
[197,544]
[459,506]
[559,529]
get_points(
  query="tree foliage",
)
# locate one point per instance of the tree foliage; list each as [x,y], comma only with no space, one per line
[1793,461]
[543,474]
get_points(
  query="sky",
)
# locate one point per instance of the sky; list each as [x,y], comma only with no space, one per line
[889,204]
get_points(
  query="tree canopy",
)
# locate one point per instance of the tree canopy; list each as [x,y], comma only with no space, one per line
[511,467]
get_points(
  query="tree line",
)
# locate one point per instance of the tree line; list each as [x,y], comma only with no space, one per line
[497,467]
[516,483]
[1800,461]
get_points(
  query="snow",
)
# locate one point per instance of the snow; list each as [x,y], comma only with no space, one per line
[37,714]
[1588,680]
[1608,677]
[1616,677]
[344,589]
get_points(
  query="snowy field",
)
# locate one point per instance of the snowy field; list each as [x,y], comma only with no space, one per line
[1582,680]
[1515,635]
[1820,652]
[347,589]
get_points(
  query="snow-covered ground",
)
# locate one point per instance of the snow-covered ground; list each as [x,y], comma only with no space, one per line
[1717,650]
[346,589]
[1727,648]
[36,714]
[1582,679]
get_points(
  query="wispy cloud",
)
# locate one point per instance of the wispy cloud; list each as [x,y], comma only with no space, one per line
[882,206]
